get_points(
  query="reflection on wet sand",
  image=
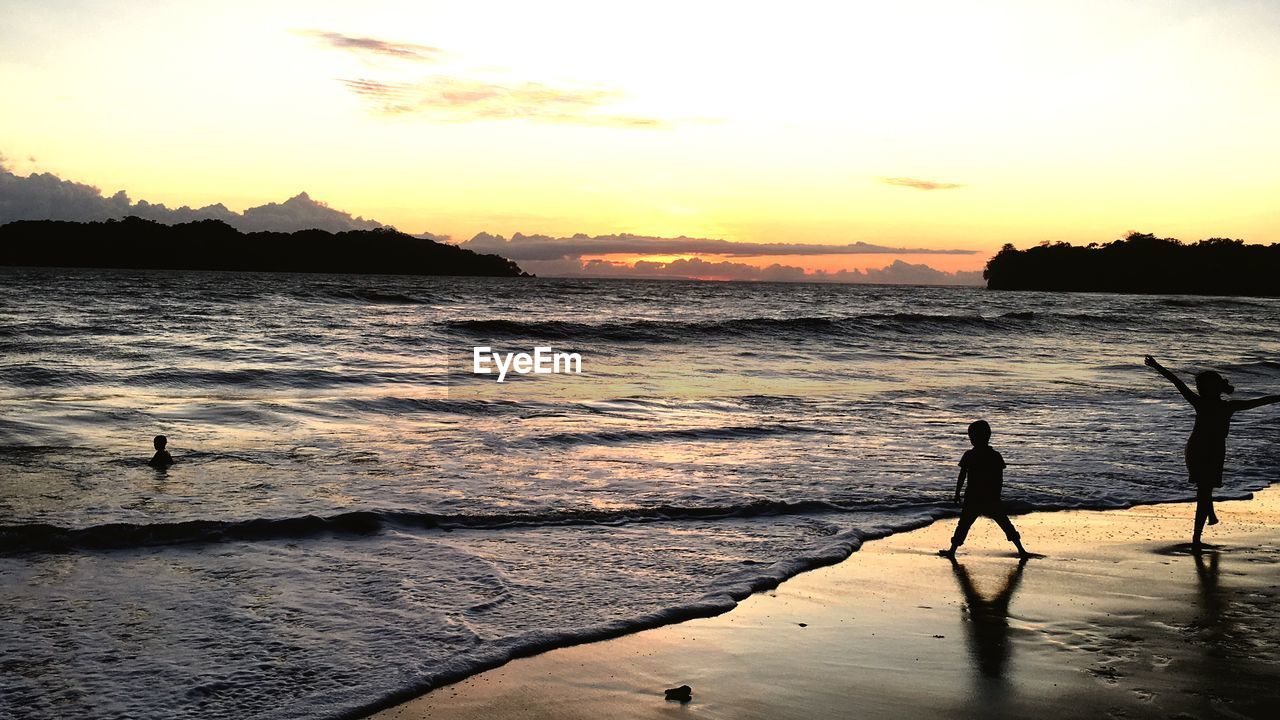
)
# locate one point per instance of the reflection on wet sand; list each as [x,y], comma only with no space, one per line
[987,622]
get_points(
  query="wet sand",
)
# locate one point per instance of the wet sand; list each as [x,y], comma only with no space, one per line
[1117,620]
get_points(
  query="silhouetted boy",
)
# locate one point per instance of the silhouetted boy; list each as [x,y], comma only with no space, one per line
[162,459]
[984,468]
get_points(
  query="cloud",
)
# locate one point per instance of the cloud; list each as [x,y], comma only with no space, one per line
[300,212]
[465,96]
[898,272]
[463,99]
[390,98]
[920,184]
[47,197]
[542,247]
[375,46]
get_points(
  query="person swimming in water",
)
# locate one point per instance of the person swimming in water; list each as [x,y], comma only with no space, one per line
[162,459]
[1206,449]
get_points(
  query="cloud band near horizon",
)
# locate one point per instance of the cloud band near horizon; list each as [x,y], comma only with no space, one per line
[898,272]
[543,247]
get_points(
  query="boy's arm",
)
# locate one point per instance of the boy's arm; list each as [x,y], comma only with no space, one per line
[1177,382]
[960,483]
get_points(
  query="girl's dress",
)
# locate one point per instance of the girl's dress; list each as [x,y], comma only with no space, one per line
[1207,447]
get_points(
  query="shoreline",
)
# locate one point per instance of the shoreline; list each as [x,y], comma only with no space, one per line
[541,679]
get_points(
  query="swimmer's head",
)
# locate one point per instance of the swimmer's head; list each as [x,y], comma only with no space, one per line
[160,441]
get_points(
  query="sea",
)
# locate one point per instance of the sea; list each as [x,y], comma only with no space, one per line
[355,517]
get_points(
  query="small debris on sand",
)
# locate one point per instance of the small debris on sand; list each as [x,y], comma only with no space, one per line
[684,693]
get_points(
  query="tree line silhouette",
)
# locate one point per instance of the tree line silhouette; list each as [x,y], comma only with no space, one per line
[1140,263]
[214,245]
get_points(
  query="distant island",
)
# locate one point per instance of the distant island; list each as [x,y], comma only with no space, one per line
[1140,263]
[215,245]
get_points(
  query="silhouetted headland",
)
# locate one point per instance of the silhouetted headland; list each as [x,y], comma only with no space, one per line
[1140,263]
[215,245]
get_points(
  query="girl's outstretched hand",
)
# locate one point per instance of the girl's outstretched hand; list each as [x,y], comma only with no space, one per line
[1150,362]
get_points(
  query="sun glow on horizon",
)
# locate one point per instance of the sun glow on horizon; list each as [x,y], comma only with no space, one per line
[826,263]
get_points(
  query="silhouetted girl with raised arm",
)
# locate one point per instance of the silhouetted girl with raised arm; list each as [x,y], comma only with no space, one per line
[1207,446]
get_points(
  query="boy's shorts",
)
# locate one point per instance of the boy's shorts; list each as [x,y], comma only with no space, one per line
[971,511]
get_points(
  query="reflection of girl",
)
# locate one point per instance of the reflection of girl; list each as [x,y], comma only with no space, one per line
[1207,446]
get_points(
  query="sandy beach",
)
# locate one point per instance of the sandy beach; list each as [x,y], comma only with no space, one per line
[1117,620]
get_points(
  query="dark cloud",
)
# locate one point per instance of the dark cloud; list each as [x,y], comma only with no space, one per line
[898,272]
[47,197]
[542,247]
[920,184]
[375,46]
[460,99]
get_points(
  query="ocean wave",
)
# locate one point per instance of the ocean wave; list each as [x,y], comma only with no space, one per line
[362,295]
[1093,322]
[273,378]
[1254,367]
[1193,302]
[668,331]
[398,405]
[29,375]
[853,326]
[43,537]
[58,329]
[678,434]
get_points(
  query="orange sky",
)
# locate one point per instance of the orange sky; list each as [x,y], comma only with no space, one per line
[923,123]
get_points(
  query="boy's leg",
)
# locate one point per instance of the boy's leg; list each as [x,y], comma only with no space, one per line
[1002,519]
[968,515]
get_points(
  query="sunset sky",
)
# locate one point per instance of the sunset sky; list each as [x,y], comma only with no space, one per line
[938,125]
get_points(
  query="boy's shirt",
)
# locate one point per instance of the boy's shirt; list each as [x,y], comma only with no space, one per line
[985,472]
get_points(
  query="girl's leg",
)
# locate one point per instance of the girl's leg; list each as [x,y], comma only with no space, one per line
[1204,506]
[1216,481]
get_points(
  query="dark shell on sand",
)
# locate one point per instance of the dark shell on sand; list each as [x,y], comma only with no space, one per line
[684,693]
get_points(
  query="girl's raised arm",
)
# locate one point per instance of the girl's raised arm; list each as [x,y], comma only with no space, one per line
[1237,405]
[1182,387]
